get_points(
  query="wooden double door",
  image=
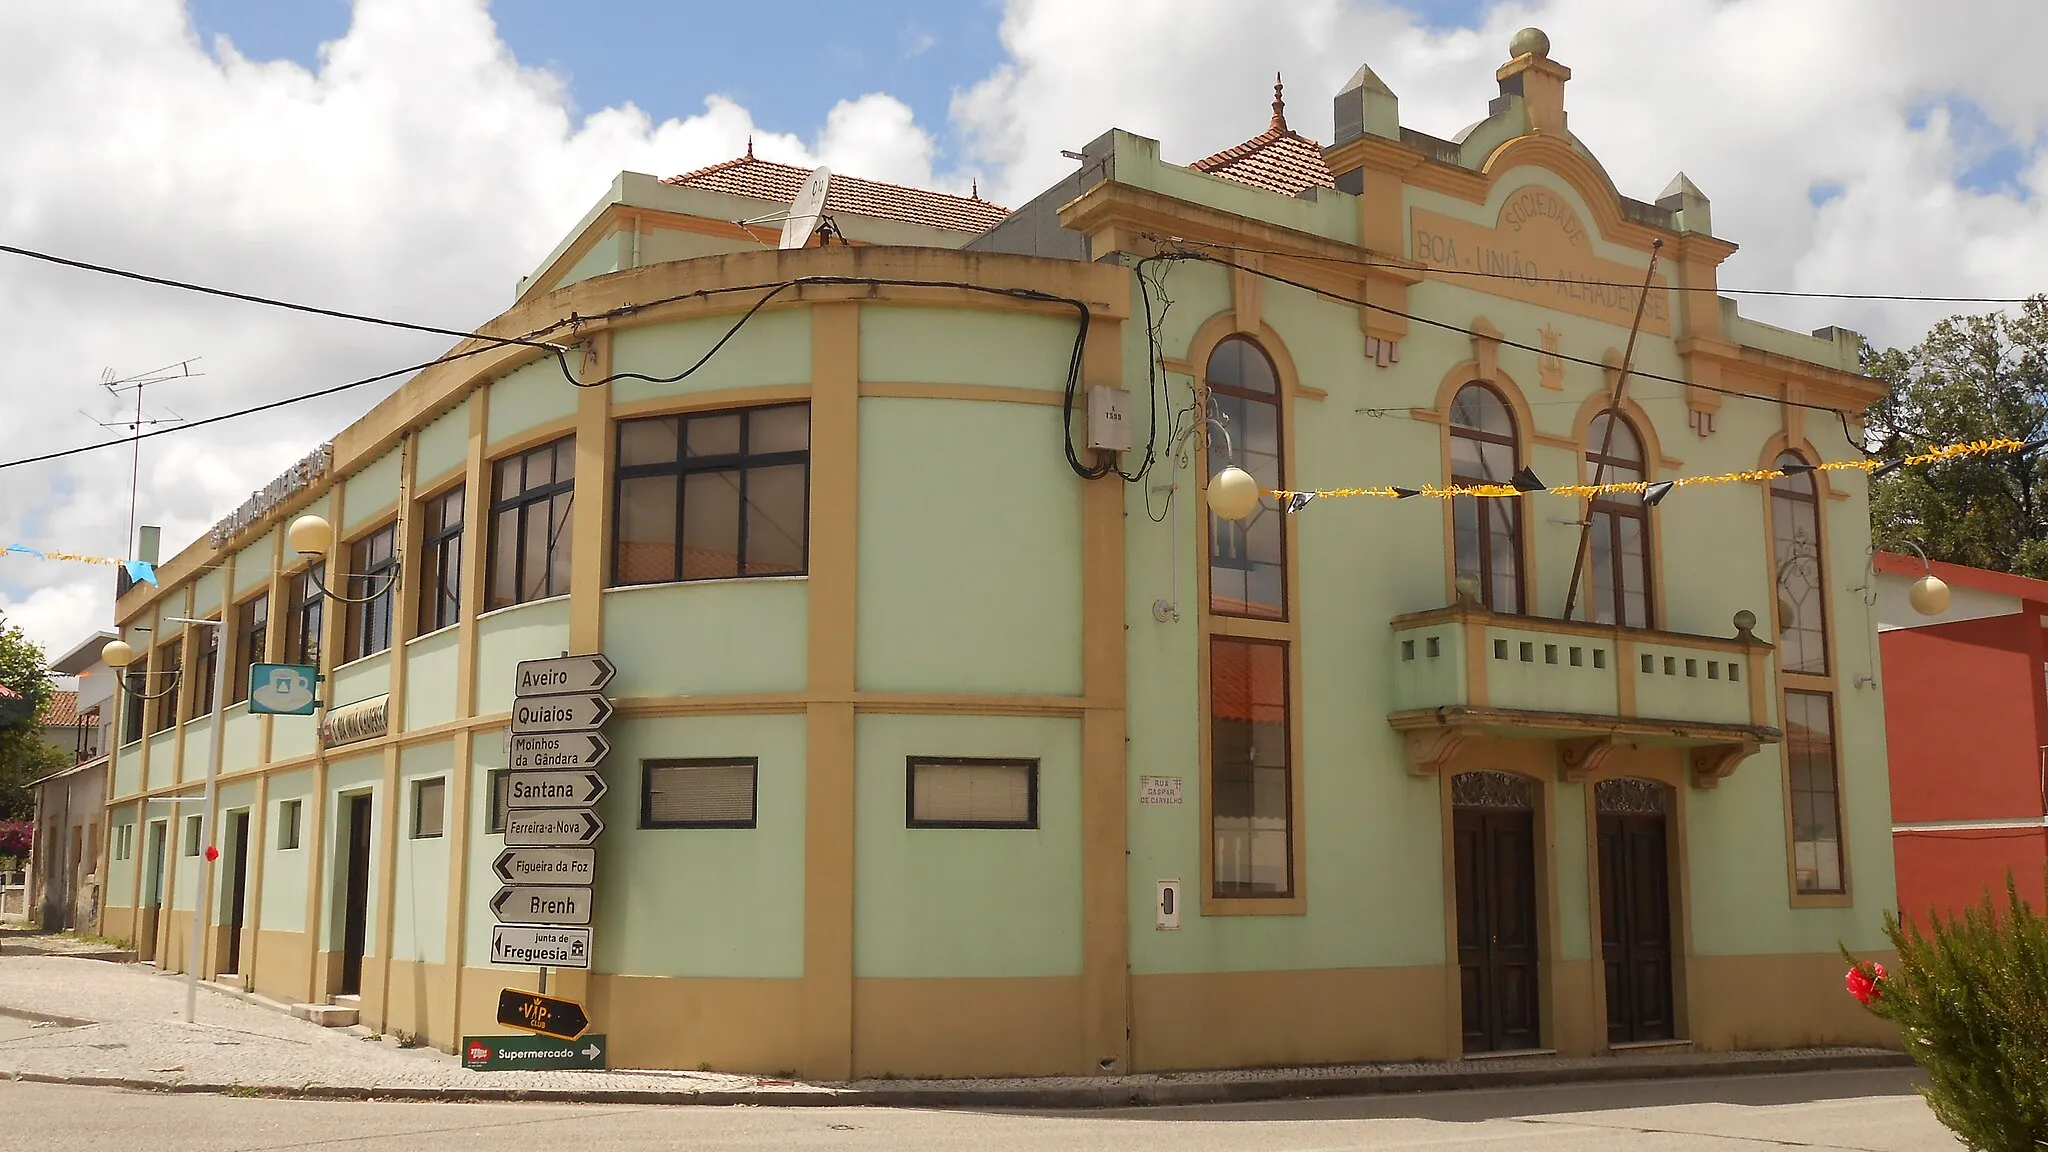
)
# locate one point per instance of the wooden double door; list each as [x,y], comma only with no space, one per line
[1493,829]
[1633,858]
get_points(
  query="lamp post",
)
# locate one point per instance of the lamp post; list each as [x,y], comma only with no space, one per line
[118,654]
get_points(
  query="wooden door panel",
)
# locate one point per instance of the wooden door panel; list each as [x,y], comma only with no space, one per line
[1635,928]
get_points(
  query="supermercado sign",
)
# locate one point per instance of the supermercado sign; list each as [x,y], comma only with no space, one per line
[1537,235]
[266,499]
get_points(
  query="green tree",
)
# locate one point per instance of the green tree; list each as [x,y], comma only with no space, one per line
[1970,378]
[23,755]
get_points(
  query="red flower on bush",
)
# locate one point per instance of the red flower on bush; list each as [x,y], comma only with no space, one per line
[1863,981]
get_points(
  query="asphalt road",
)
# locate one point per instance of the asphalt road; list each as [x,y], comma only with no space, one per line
[1873,1111]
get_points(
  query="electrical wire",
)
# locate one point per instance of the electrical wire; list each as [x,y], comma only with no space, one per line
[1431,269]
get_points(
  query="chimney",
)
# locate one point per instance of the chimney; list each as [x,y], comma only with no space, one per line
[1536,78]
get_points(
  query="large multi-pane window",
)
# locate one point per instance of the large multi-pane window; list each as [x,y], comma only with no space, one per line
[252,634]
[441,561]
[168,673]
[1247,558]
[1620,539]
[306,605]
[1251,797]
[1815,788]
[1486,530]
[205,668]
[135,686]
[373,580]
[531,494]
[713,495]
[1795,549]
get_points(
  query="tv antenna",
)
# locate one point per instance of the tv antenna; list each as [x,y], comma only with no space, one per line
[805,215]
[116,387]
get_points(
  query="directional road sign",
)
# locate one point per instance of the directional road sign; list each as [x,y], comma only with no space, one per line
[579,712]
[282,689]
[579,789]
[552,828]
[562,1019]
[558,750]
[569,866]
[527,1053]
[532,946]
[530,905]
[564,675]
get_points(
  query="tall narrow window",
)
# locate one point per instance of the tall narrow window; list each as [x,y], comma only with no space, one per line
[169,681]
[252,636]
[531,494]
[302,626]
[1816,800]
[713,496]
[441,561]
[1250,795]
[1247,558]
[1486,530]
[1795,548]
[373,568]
[205,668]
[137,686]
[1620,541]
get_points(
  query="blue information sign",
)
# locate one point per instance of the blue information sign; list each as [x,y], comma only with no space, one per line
[283,689]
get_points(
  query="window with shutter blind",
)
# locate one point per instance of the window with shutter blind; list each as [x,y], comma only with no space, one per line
[952,792]
[698,793]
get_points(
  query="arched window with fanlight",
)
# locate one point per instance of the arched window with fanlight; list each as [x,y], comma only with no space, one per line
[1486,530]
[1247,558]
[1619,540]
[1795,552]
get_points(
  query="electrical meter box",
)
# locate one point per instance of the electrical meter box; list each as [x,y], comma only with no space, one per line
[1109,418]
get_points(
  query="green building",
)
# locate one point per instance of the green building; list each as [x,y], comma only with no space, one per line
[941,748]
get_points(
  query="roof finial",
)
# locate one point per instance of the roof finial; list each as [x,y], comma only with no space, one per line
[1279,106]
[976,194]
[750,145]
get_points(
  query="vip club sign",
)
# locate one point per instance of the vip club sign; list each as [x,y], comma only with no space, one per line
[552,787]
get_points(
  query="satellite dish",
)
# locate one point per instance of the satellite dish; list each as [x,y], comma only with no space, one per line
[805,210]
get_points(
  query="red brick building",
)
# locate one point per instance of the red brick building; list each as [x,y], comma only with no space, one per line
[1966,722]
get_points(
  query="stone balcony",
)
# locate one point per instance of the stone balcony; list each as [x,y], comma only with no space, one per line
[1464,671]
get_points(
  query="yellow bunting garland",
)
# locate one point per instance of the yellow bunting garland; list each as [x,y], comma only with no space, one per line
[1638,487]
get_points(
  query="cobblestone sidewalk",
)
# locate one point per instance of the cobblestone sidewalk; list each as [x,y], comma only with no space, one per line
[122,1024]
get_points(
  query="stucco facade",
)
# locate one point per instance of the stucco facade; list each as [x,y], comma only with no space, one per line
[963,596]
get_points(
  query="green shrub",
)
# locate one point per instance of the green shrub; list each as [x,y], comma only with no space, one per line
[1970,997]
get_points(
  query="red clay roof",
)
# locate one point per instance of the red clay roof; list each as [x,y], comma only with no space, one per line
[1277,160]
[779,183]
[63,711]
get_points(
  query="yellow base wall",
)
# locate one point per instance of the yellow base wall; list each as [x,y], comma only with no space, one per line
[421,1003]
[968,1027]
[280,968]
[118,924]
[1267,1019]
[1764,1002]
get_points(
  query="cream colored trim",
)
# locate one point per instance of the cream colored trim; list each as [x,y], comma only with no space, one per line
[983,392]
[759,396]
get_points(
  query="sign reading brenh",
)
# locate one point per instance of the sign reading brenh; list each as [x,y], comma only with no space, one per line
[552,785]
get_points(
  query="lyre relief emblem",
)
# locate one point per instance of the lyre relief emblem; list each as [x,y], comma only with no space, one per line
[1550,365]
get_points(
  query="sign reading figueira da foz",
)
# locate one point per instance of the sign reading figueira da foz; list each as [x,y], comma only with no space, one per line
[552,787]
[1540,252]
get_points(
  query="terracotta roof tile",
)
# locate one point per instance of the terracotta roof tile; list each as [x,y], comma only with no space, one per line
[63,711]
[779,183]
[1277,160]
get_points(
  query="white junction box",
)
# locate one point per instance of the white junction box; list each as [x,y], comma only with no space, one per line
[1109,418]
[1167,907]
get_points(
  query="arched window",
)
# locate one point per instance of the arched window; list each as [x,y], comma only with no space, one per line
[1247,558]
[1620,540]
[1795,548]
[1486,530]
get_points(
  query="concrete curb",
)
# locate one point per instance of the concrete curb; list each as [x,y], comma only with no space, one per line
[45,1017]
[1107,1095]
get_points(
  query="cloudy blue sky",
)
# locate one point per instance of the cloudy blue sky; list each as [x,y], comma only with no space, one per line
[413,158]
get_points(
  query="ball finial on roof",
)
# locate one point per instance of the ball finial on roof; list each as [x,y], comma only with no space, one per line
[1529,42]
